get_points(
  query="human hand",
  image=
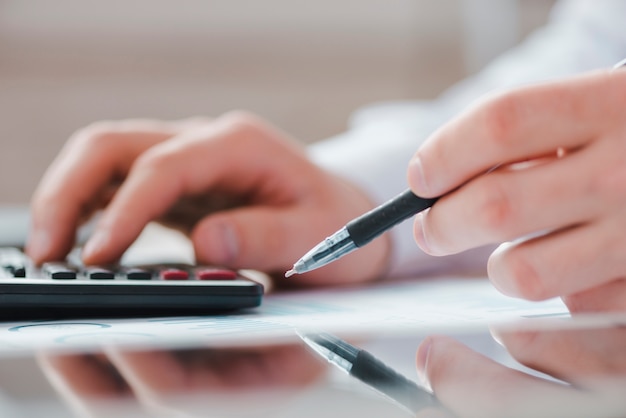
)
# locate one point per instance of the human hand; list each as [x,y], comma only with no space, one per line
[246,194]
[541,169]
[589,363]
[186,382]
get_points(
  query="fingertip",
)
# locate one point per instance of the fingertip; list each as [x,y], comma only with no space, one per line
[38,246]
[100,248]
[435,359]
[92,247]
[45,244]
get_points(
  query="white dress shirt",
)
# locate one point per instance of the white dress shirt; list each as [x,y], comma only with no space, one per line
[581,35]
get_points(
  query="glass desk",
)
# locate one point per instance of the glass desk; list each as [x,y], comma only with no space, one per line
[282,377]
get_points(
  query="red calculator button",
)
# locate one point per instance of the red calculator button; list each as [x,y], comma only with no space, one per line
[215,274]
[174,274]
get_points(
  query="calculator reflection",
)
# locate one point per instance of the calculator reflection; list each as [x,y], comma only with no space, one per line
[584,376]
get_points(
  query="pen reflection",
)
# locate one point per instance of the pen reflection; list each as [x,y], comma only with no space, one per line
[570,372]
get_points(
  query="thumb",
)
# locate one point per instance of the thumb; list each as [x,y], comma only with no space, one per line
[261,238]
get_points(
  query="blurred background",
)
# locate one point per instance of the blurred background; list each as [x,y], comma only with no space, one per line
[305,66]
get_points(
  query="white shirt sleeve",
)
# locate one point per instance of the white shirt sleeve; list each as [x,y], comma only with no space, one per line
[373,154]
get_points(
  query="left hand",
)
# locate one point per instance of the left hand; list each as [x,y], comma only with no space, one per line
[163,382]
[541,169]
[246,194]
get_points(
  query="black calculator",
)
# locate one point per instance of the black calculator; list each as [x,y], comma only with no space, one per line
[68,289]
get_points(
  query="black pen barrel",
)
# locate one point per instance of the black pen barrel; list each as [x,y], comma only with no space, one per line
[373,223]
[373,372]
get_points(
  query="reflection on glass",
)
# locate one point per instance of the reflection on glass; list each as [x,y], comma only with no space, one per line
[575,372]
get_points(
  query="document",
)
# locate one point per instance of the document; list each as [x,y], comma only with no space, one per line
[413,307]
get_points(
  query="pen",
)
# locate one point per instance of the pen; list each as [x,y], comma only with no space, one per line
[371,371]
[361,231]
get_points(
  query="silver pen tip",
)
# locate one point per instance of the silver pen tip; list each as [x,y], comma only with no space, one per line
[290,273]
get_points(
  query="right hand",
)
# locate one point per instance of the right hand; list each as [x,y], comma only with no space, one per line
[247,196]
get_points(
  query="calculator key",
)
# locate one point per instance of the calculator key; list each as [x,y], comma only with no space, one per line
[59,271]
[138,274]
[17,271]
[212,273]
[98,273]
[174,274]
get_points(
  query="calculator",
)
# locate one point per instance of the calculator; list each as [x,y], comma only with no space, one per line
[69,289]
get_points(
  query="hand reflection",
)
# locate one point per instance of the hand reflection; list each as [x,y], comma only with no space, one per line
[159,380]
[590,366]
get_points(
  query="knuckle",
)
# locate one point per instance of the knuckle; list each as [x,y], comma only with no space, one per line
[242,121]
[96,135]
[246,127]
[500,119]
[495,208]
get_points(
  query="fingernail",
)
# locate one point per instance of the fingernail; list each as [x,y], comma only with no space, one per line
[418,232]
[416,177]
[423,351]
[95,244]
[38,246]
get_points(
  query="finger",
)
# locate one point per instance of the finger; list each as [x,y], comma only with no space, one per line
[559,263]
[155,374]
[581,356]
[82,381]
[248,236]
[471,385]
[151,374]
[509,203]
[91,159]
[211,162]
[157,378]
[264,238]
[610,297]
[191,164]
[516,126]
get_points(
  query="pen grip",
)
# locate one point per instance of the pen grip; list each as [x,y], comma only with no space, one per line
[376,374]
[373,223]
